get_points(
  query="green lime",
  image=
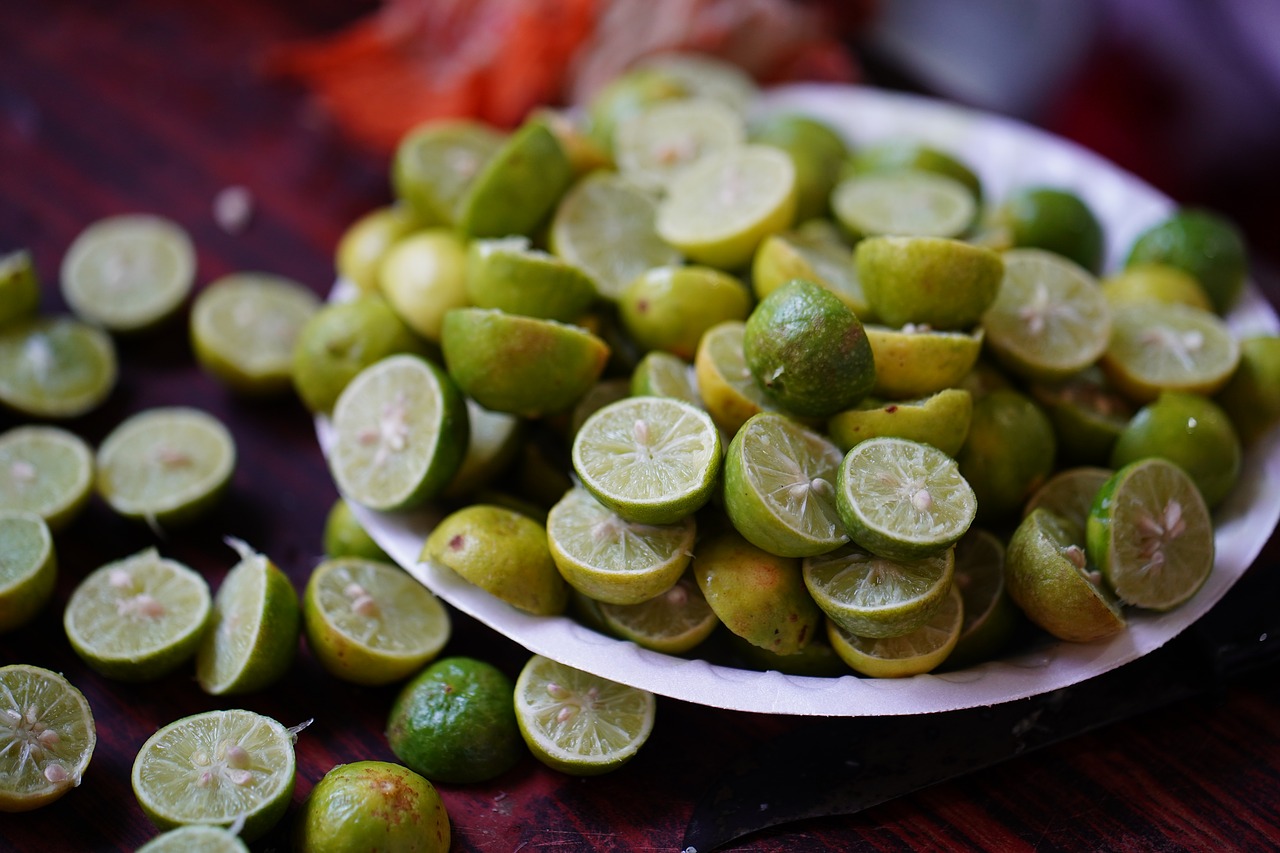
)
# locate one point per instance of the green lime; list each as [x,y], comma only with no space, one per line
[916,361]
[502,551]
[893,155]
[990,616]
[244,327]
[1157,347]
[627,95]
[455,722]
[128,273]
[1069,495]
[579,723]
[1191,431]
[506,274]
[1056,220]
[872,596]
[493,444]
[670,308]
[923,650]
[779,487]
[674,622]
[652,460]
[436,163]
[372,806]
[661,374]
[654,147]
[48,471]
[942,283]
[1008,454]
[703,75]
[1202,243]
[1252,396]
[518,187]
[251,641]
[55,367]
[818,258]
[817,151]
[903,203]
[47,737]
[1154,282]
[1087,415]
[570,129]
[941,419]
[424,275]
[138,619]
[370,622]
[366,241]
[344,536]
[28,568]
[196,838]
[728,390]
[19,287]
[218,767]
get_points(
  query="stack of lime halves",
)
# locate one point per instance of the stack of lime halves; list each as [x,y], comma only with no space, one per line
[677,370]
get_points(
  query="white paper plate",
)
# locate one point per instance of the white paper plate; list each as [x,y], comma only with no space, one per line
[1006,154]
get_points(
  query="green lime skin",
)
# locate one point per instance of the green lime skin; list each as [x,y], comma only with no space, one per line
[808,351]
[1008,454]
[519,187]
[1201,243]
[1252,396]
[1055,220]
[344,536]
[372,807]
[934,281]
[455,722]
[817,151]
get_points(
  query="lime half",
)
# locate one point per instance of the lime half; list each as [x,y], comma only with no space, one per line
[196,838]
[28,568]
[874,596]
[45,470]
[47,737]
[923,650]
[674,622]
[55,367]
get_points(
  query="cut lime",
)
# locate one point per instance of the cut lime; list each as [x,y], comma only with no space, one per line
[894,155]
[801,254]
[165,465]
[932,281]
[46,737]
[921,651]
[941,419]
[1154,282]
[508,275]
[661,374]
[1158,348]
[45,470]
[55,367]
[653,148]
[437,162]
[725,385]
[817,151]
[218,768]
[400,433]
[253,636]
[579,723]
[1008,454]
[28,568]
[138,619]
[1069,495]
[704,76]
[19,287]
[244,326]
[916,361]
[1087,414]
[653,460]
[874,596]
[196,838]
[990,616]
[344,536]
[127,273]
[493,443]
[366,241]
[670,308]
[518,187]
[614,560]
[673,623]
[424,275]
[370,622]
[905,203]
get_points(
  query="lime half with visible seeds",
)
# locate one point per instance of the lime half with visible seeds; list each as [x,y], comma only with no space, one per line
[1157,347]
[920,651]
[45,470]
[28,568]
[674,622]
[47,737]
[55,367]
[874,596]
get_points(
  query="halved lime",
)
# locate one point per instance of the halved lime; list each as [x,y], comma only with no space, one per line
[941,419]
[216,768]
[138,619]
[509,275]
[920,651]
[47,737]
[990,616]
[253,635]
[817,151]
[518,187]
[673,622]
[903,499]
[802,254]
[424,275]
[1154,282]
[893,155]
[400,433]
[344,536]
[1158,348]
[661,374]
[493,443]
[933,281]
[653,460]
[371,622]
[614,560]
[725,385]
[244,327]
[670,308]
[165,465]
[55,367]
[366,241]
[196,838]
[874,596]
[437,162]
[579,723]
[28,568]
[916,361]
[19,287]
[631,92]
[47,471]
[127,273]
[654,147]
[1069,495]
[904,203]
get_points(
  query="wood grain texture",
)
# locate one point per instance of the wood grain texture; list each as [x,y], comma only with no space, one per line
[146,105]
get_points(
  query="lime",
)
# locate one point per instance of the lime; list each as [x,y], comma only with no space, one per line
[253,636]
[47,471]
[654,147]
[779,487]
[916,361]
[340,340]
[19,287]
[817,151]
[903,499]
[725,385]
[165,465]
[821,259]
[808,351]
[579,723]
[1191,431]
[1154,282]
[570,129]
[436,163]
[893,155]
[903,203]
[661,374]
[1087,415]
[759,596]
[244,327]
[1069,495]
[607,228]
[1008,454]
[454,722]
[522,365]
[872,596]
[366,241]
[130,272]
[493,444]
[990,616]
[920,651]
[1050,579]
[1252,396]
[28,568]
[400,432]
[627,95]
[370,622]
[727,202]
[611,559]
[344,536]
[942,283]
[670,308]
[703,75]
[1158,348]
[424,275]
[941,419]
[196,838]
[506,274]
[673,622]
[1055,220]
[1049,319]
[816,660]
[138,619]
[503,552]
[518,187]
[653,460]
[1202,243]
[46,737]
[372,806]
[218,767]
[55,367]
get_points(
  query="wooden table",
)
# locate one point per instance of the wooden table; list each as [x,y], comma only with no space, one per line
[145,105]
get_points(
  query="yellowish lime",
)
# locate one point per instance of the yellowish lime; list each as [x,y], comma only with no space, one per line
[47,737]
[508,275]
[654,147]
[423,276]
[1154,282]
[55,367]
[920,651]
[661,374]
[45,470]
[372,806]
[725,385]
[871,596]
[670,308]
[942,283]
[674,622]
[1157,347]
[903,203]
[366,241]
[916,361]
[941,419]
[822,259]
[28,568]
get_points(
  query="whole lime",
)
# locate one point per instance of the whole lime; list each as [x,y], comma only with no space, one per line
[1252,397]
[1056,220]
[371,807]
[808,351]
[1009,452]
[456,722]
[1202,243]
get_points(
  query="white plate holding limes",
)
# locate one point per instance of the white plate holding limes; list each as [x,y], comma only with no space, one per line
[1005,154]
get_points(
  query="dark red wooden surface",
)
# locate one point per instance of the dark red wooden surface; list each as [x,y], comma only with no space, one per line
[143,105]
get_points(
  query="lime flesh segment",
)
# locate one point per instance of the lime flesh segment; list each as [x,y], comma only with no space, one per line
[55,367]
[28,568]
[139,618]
[47,737]
[47,471]
[214,768]
[874,596]
[923,650]
[580,723]
[674,622]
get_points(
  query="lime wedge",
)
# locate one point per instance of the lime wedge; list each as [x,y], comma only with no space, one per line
[654,148]
[905,203]
[47,471]
[47,737]
[923,650]
[673,623]
[28,568]
[874,596]
[55,367]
